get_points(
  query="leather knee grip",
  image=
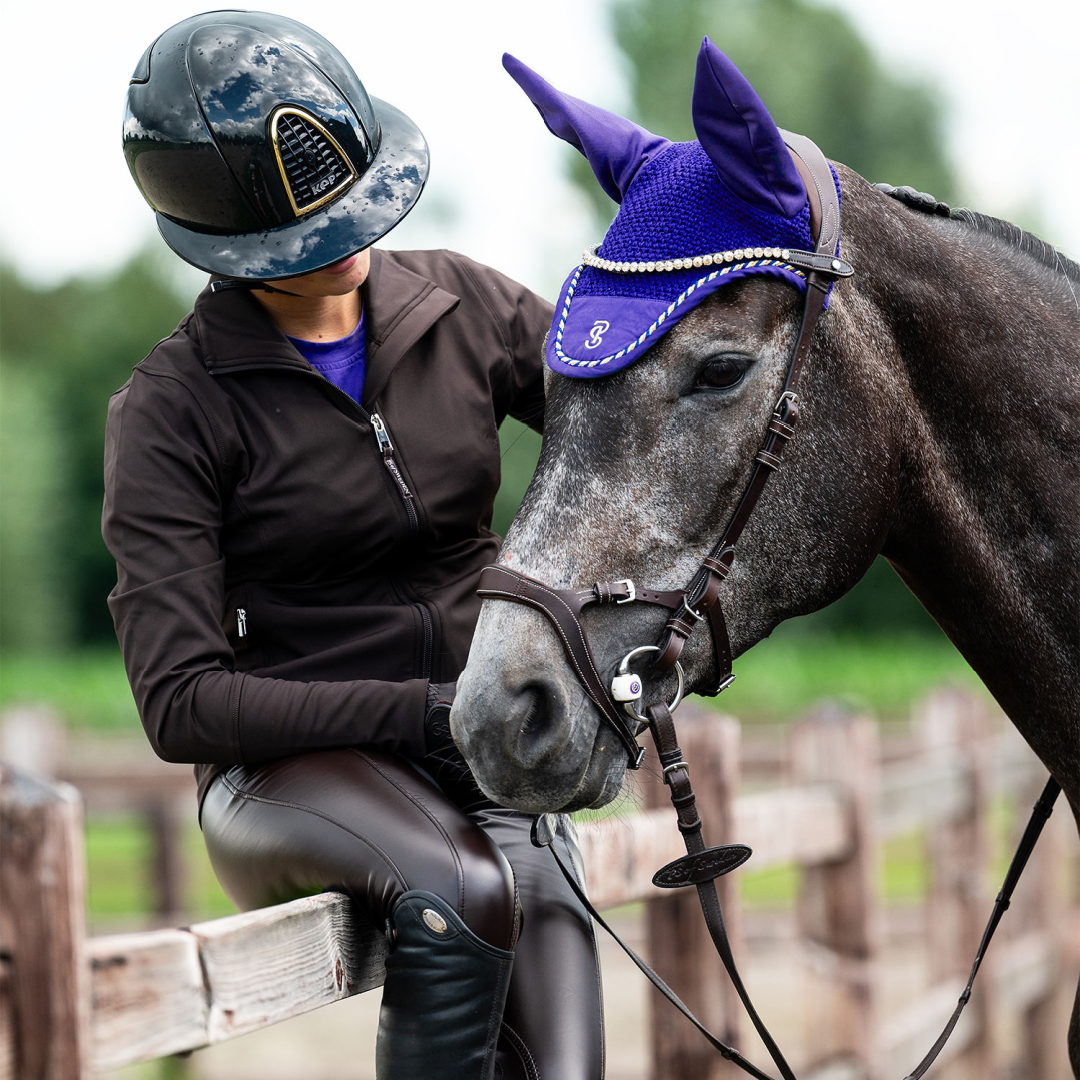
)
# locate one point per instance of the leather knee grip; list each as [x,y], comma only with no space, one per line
[444,996]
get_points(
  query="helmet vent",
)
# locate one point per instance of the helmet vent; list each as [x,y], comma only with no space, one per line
[312,164]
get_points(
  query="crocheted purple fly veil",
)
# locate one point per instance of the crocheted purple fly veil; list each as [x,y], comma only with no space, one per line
[693,217]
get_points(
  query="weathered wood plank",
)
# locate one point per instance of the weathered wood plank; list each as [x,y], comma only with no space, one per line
[923,792]
[146,995]
[266,966]
[950,722]
[1023,971]
[7,1023]
[799,824]
[42,924]
[807,824]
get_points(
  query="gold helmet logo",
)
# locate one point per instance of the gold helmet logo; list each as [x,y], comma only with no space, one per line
[313,166]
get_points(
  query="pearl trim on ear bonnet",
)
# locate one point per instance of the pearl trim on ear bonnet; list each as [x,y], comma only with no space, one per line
[693,216]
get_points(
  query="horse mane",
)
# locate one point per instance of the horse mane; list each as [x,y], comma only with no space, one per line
[1020,239]
[997,228]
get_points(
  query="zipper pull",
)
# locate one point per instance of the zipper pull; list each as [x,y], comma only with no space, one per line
[241,622]
[382,436]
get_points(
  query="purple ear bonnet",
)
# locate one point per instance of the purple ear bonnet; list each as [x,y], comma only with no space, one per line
[693,216]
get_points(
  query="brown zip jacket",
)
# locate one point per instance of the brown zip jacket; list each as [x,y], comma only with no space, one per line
[290,577]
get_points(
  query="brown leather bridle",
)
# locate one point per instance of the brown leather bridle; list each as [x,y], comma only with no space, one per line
[700,600]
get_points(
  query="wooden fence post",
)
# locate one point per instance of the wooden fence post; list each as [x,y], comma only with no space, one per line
[42,925]
[1037,914]
[679,946]
[165,816]
[953,722]
[838,915]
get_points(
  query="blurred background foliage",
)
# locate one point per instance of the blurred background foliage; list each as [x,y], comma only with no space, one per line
[65,349]
[814,72]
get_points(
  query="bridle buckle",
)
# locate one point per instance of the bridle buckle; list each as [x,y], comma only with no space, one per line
[690,611]
[630,588]
[779,412]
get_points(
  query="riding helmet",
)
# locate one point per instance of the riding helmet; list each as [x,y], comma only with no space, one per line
[256,144]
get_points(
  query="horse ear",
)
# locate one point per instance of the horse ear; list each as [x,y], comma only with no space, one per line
[741,138]
[615,147]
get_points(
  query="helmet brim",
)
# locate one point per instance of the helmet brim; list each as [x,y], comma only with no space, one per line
[369,209]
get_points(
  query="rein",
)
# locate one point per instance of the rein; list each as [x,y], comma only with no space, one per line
[698,601]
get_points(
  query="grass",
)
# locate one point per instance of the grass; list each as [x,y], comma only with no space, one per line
[87,687]
[784,675]
[778,679]
[118,856]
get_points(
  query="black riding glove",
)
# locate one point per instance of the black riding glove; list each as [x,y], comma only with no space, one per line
[443,759]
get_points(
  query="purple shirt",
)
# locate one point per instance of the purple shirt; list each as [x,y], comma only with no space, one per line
[341,362]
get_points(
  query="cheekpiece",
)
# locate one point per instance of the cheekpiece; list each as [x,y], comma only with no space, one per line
[693,216]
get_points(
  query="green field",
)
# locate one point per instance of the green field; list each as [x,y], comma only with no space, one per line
[777,680]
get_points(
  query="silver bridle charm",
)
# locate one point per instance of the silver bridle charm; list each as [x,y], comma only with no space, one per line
[626,687]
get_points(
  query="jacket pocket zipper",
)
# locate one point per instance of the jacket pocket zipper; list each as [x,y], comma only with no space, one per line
[241,622]
[427,655]
[386,449]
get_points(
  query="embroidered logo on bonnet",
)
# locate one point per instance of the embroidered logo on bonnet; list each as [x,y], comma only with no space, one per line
[693,216]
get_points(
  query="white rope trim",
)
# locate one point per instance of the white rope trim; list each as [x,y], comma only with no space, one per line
[664,315]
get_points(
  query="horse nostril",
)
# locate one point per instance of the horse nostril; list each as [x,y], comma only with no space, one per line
[540,729]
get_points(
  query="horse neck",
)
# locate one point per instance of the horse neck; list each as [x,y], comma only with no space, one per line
[986,359]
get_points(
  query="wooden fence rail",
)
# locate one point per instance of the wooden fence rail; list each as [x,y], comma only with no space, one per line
[70,1007]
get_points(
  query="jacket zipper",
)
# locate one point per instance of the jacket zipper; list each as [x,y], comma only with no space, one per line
[400,591]
[241,622]
[386,452]
[386,449]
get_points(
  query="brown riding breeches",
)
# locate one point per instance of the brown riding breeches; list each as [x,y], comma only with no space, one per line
[375,826]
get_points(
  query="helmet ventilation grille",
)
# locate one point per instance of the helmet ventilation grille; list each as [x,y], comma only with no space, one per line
[312,164]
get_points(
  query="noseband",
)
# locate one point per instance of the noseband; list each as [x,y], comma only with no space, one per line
[700,600]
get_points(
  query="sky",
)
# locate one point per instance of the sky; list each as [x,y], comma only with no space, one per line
[498,189]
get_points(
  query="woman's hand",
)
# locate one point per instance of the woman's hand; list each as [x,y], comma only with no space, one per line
[443,759]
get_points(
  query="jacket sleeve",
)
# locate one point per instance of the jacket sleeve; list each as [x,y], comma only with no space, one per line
[524,319]
[164,484]
[529,324]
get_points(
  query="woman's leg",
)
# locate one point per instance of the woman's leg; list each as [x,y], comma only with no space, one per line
[377,828]
[553,1027]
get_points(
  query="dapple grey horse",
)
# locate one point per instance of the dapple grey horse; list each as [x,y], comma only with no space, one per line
[940,428]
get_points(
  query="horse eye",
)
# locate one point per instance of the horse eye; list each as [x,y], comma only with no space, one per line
[721,373]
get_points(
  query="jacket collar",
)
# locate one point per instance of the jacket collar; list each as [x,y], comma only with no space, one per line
[400,306]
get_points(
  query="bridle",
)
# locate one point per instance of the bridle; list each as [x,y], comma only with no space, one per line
[700,599]
[618,702]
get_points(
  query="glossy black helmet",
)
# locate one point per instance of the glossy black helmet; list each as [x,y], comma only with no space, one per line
[260,150]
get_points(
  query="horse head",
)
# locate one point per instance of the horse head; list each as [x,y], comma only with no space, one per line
[669,351]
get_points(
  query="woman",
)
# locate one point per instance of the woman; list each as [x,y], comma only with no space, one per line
[299,486]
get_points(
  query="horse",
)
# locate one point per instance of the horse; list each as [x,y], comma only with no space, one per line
[939,428]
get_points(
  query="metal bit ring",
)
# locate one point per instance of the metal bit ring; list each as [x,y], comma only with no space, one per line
[630,707]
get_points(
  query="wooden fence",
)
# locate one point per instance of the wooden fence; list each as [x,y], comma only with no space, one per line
[71,1005]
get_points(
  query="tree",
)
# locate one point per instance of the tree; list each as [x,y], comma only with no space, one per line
[66,349]
[812,70]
